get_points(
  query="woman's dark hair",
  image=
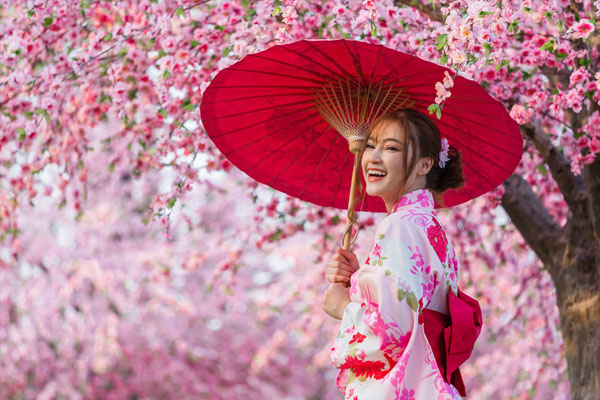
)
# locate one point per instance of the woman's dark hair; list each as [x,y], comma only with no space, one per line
[421,134]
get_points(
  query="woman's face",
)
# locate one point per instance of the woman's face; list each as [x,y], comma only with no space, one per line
[383,165]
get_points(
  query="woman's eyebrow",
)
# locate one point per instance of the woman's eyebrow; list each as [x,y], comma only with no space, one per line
[392,139]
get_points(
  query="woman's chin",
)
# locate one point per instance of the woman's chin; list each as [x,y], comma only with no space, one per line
[372,192]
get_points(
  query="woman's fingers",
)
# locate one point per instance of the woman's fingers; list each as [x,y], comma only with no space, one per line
[341,265]
[337,278]
[349,257]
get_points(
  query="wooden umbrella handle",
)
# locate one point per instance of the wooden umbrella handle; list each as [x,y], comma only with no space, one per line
[347,239]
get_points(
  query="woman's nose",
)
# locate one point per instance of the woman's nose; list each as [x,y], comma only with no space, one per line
[374,155]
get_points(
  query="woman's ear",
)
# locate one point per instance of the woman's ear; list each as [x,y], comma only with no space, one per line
[424,165]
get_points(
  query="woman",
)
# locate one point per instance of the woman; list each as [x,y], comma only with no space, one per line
[382,349]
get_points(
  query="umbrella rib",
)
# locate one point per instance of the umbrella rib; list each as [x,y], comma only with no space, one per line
[482,156]
[261,138]
[355,62]
[503,133]
[339,181]
[320,75]
[299,155]
[258,123]
[328,58]
[274,151]
[476,171]
[319,165]
[307,88]
[270,73]
[303,102]
[375,63]
[258,96]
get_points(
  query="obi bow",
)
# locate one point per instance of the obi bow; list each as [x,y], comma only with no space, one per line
[453,336]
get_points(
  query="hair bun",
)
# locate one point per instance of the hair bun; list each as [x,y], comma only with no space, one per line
[451,176]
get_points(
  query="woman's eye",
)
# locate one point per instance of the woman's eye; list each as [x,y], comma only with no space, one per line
[392,148]
[369,146]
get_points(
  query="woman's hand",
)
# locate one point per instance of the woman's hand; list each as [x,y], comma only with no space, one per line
[342,265]
[335,300]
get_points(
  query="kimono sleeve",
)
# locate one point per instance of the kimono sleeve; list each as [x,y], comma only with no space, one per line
[398,281]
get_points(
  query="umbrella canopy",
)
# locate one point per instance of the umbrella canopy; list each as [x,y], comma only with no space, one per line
[273,115]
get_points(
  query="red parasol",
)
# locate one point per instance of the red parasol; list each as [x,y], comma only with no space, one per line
[286,116]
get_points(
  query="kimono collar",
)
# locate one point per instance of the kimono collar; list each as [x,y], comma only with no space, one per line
[420,197]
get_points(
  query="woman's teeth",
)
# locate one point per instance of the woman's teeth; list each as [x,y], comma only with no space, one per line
[376,173]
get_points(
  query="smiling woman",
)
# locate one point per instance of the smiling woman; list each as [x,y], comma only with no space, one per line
[390,343]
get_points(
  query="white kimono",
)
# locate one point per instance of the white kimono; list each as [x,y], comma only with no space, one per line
[381,349]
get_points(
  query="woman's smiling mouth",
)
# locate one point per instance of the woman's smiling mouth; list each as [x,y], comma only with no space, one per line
[374,174]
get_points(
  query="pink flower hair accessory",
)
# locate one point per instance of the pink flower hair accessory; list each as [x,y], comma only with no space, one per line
[444,153]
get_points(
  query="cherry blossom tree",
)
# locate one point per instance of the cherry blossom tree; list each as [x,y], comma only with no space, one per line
[131,267]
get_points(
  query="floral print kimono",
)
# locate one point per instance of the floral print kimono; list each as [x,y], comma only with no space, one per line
[381,350]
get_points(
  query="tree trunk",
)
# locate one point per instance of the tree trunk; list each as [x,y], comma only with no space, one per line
[571,255]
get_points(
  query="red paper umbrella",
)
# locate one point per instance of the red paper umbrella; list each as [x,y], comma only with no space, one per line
[287,115]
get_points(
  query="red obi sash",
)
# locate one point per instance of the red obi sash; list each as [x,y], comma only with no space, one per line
[453,336]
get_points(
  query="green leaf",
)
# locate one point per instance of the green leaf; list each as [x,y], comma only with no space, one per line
[438,113]
[560,56]
[132,93]
[227,50]
[411,299]
[542,169]
[220,27]
[276,11]
[501,64]
[401,294]
[172,201]
[441,41]
[433,108]
[373,30]
[579,134]
[444,59]
[163,112]
[180,11]
[22,134]
[48,21]
[484,13]
[550,45]
[189,107]
[194,43]
[150,43]
[108,37]
[584,62]
[488,49]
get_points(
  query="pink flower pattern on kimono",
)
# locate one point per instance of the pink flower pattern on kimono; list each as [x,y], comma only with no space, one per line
[438,240]
[390,343]
[376,251]
[407,394]
[429,278]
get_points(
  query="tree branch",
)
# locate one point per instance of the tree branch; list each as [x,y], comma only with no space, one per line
[571,186]
[431,12]
[532,219]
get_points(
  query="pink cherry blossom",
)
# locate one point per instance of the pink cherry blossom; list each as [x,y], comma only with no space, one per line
[582,29]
